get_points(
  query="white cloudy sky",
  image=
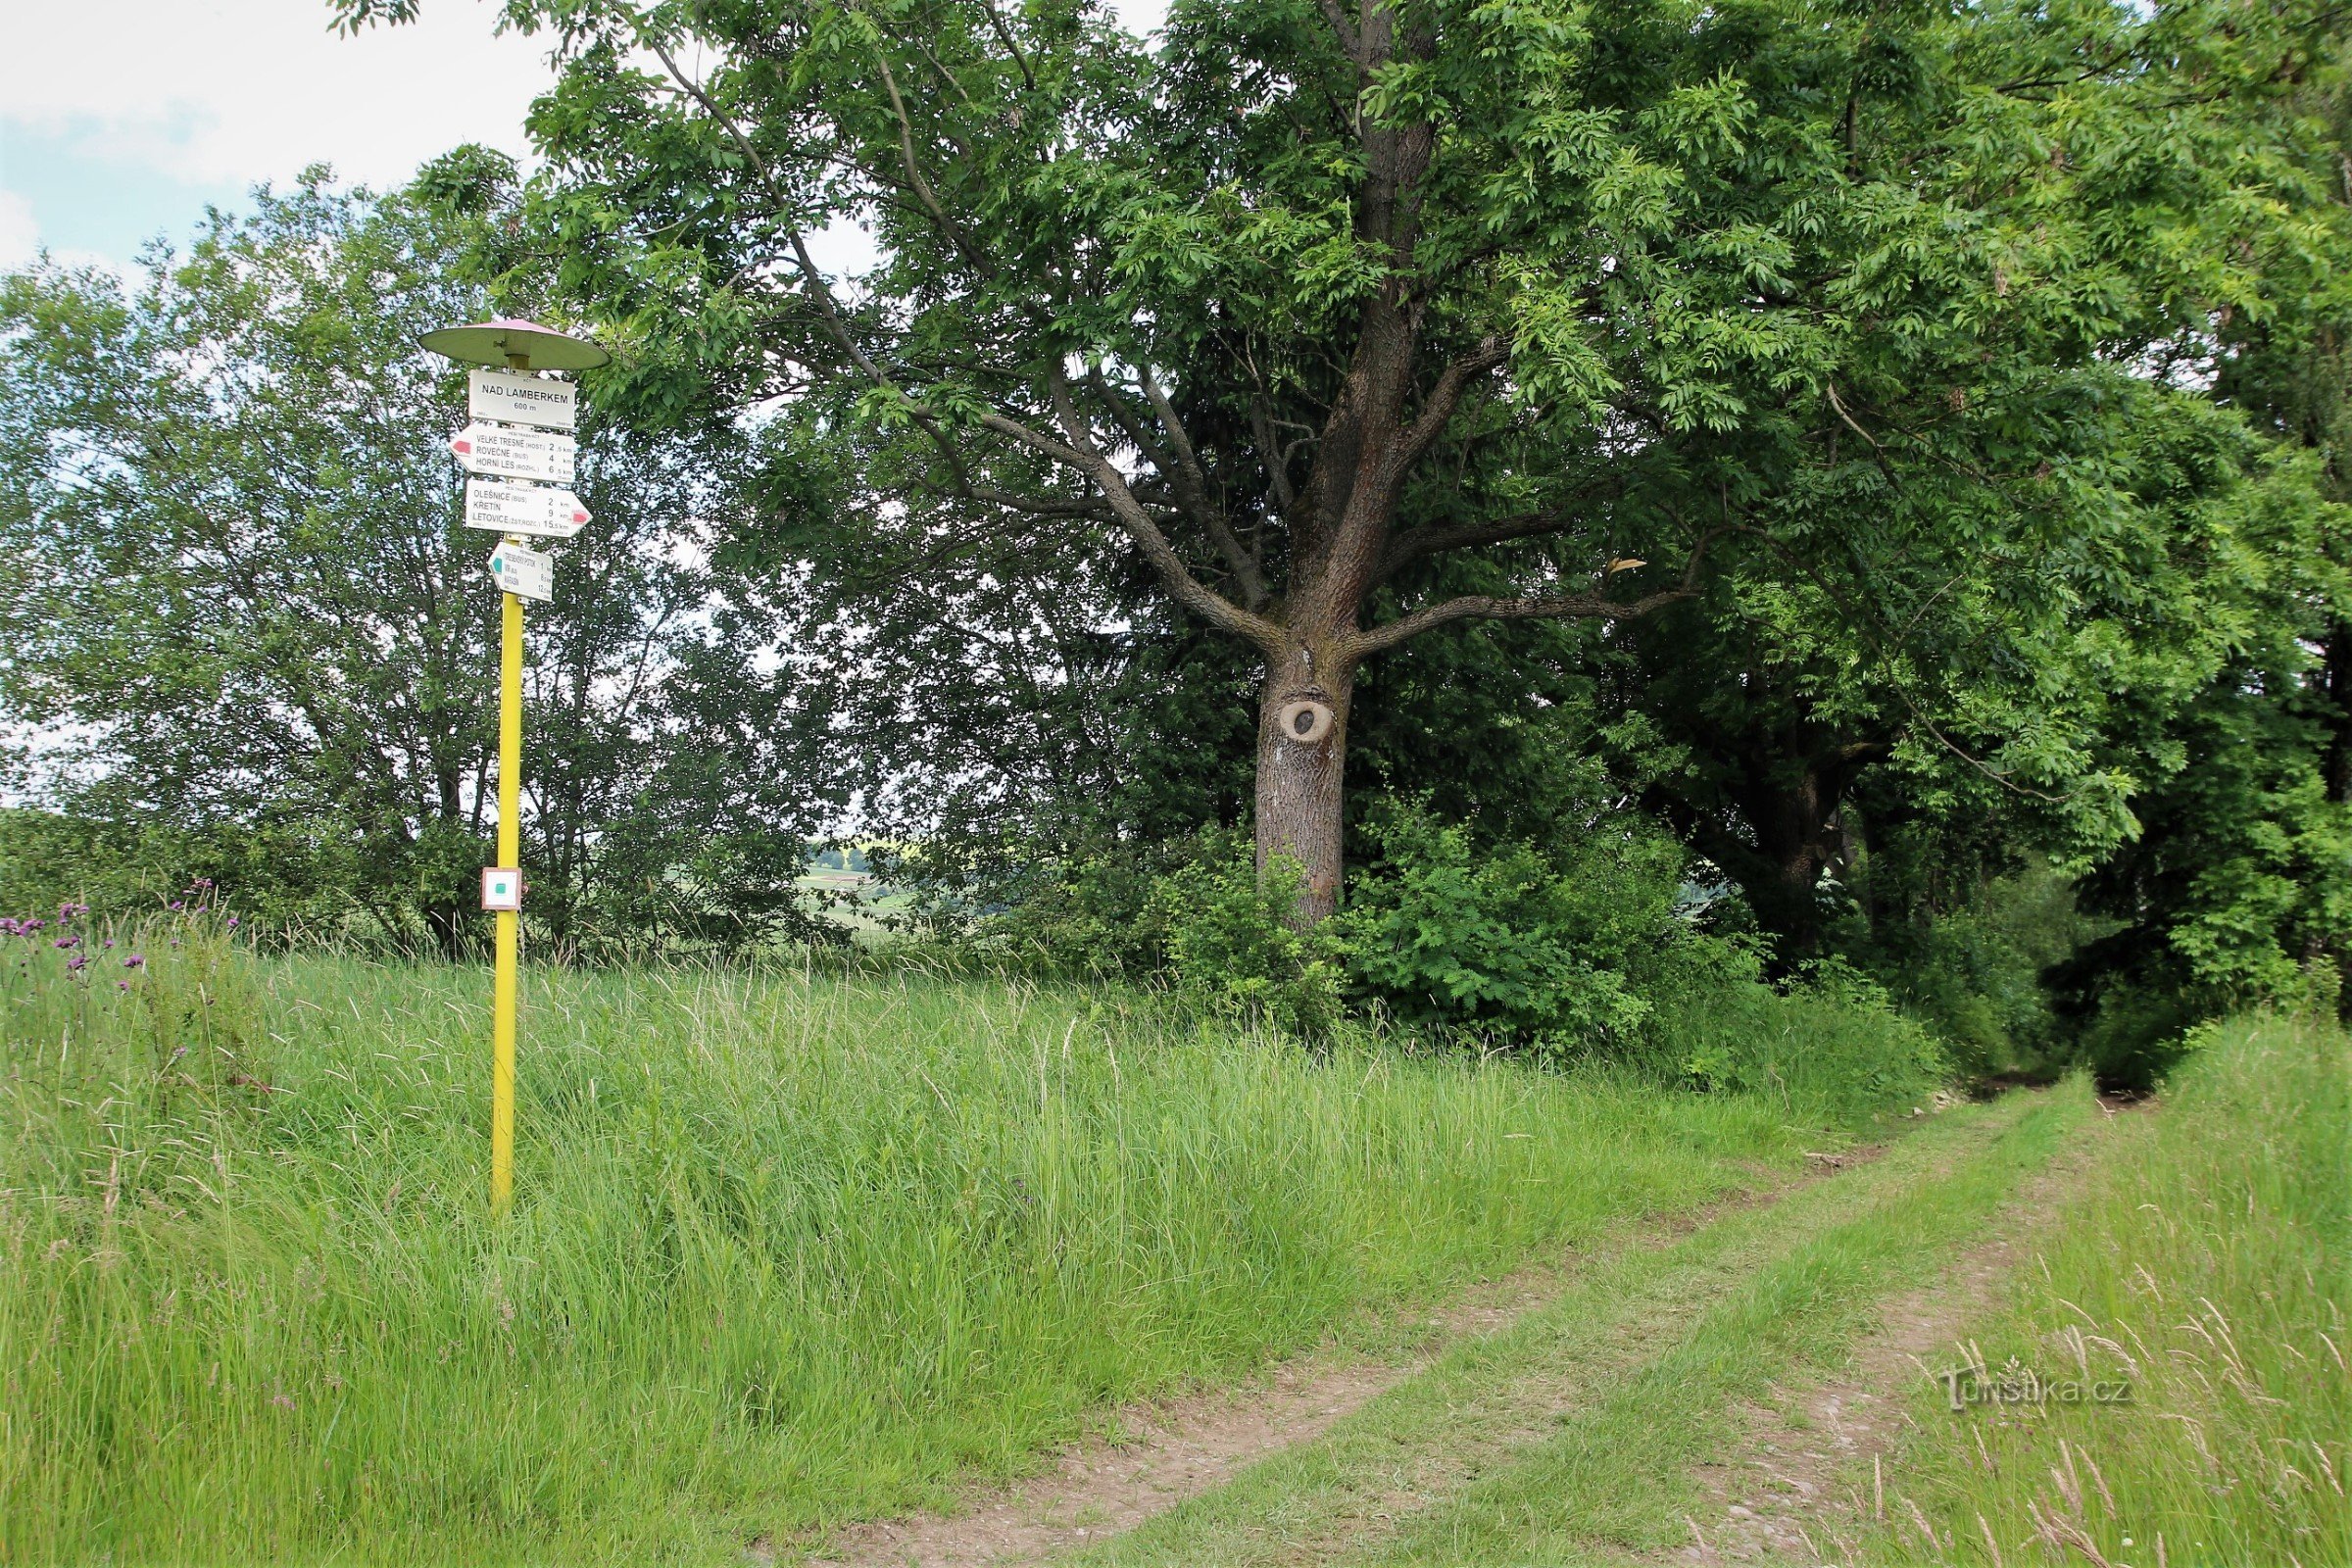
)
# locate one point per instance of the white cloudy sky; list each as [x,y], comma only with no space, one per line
[120,120]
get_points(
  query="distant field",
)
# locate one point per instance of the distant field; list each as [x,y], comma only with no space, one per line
[787,1248]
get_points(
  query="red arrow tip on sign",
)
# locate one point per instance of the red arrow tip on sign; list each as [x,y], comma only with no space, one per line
[580,516]
[458,444]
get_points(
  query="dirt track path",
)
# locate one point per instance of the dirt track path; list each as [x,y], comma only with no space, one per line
[1348,1459]
[1181,1448]
[1797,1490]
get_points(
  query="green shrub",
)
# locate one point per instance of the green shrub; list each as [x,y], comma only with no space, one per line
[1975,974]
[1582,952]
[1231,947]
[1824,1045]
[1550,951]
[1082,913]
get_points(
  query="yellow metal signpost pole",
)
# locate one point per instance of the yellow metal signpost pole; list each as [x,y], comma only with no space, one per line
[518,447]
[510,853]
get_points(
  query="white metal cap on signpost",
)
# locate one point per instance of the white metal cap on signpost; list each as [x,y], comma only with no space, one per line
[517,345]
[506,394]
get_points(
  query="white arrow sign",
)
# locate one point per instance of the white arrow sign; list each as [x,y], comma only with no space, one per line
[515,454]
[519,570]
[513,398]
[531,508]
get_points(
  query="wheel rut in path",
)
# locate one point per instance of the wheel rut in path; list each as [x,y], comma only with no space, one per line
[1427,1471]
[1808,1474]
[1174,1449]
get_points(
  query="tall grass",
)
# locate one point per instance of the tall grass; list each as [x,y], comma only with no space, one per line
[785,1247]
[2210,1271]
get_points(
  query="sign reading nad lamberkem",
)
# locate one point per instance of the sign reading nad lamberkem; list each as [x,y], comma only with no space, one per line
[513,398]
[528,509]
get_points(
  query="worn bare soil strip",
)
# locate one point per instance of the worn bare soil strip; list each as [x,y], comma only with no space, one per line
[1178,1449]
[1802,1480]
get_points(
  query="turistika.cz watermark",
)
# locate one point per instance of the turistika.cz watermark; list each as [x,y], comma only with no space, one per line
[2018,1383]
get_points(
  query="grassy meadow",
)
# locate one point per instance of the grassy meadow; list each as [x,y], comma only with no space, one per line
[2210,1269]
[788,1247]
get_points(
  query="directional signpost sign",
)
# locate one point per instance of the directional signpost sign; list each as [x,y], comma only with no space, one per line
[511,398]
[520,497]
[530,508]
[514,454]
[518,570]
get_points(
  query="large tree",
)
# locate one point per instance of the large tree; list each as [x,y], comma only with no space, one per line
[1360,323]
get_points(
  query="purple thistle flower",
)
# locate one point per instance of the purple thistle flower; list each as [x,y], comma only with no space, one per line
[78,961]
[233,922]
[135,960]
[121,985]
[66,941]
[110,942]
[176,905]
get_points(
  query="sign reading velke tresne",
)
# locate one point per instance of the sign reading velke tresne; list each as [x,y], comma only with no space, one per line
[525,571]
[514,454]
[513,398]
[530,508]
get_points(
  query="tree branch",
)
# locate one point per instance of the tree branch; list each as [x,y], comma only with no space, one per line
[1185,477]
[1443,399]
[1079,452]
[957,237]
[1345,32]
[1408,548]
[1489,607]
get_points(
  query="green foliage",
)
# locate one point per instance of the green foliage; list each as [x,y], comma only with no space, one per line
[1234,946]
[1821,1045]
[1970,962]
[1586,955]
[1908,318]
[1555,952]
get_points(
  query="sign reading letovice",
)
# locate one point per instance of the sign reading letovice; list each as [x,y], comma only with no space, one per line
[520,571]
[513,398]
[514,454]
[530,508]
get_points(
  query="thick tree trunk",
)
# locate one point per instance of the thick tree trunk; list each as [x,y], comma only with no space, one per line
[1301,765]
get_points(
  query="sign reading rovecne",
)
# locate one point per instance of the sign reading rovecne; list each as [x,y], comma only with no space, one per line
[531,508]
[514,454]
[513,398]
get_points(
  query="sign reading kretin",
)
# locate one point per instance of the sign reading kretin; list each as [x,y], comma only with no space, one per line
[511,398]
[528,508]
